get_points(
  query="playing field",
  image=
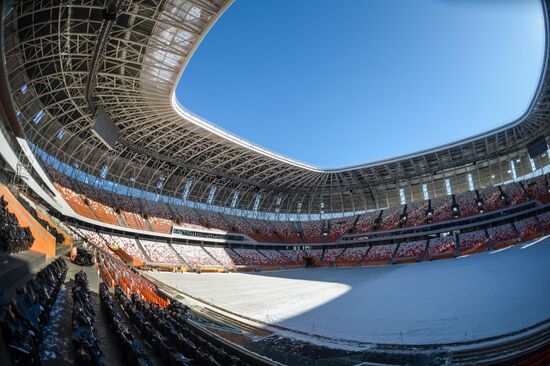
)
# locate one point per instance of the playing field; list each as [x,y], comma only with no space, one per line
[445,301]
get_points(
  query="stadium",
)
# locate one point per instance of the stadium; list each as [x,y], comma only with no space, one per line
[135,232]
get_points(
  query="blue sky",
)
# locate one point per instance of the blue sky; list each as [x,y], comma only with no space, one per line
[353,81]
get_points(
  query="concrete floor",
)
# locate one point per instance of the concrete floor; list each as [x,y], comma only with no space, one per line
[444,301]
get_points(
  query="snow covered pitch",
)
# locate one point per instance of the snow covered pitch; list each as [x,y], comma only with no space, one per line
[444,301]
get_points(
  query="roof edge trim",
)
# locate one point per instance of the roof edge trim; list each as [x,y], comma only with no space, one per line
[212,127]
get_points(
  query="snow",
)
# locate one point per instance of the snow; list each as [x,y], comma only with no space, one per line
[52,341]
[445,301]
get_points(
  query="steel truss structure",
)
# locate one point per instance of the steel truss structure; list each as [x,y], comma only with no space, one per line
[50,49]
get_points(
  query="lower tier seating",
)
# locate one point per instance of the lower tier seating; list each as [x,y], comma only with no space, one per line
[413,249]
[443,246]
[85,343]
[133,351]
[380,253]
[24,318]
[473,242]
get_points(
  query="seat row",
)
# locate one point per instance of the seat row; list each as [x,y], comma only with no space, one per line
[85,342]
[160,216]
[202,256]
[24,318]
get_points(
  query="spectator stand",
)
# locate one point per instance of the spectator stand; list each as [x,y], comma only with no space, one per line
[114,272]
[275,257]
[380,254]
[529,228]
[416,213]
[352,256]
[161,255]
[335,228]
[126,248]
[544,221]
[442,247]
[294,258]
[493,199]
[366,222]
[503,236]
[467,204]
[515,193]
[222,256]
[442,209]
[537,188]
[473,242]
[13,238]
[197,258]
[247,260]
[331,256]
[312,231]
[44,242]
[312,257]
[413,251]
[391,217]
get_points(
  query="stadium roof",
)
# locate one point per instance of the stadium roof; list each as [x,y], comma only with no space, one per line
[67,59]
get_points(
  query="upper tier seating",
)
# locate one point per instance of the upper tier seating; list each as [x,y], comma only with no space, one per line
[339,227]
[287,231]
[491,197]
[515,193]
[312,231]
[366,221]
[161,225]
[158,216]
[102,212]
[537,188]
[416,214]
[467,204]
[74,200]
[390,217]
[441,208]
[265,231]
[214,220]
